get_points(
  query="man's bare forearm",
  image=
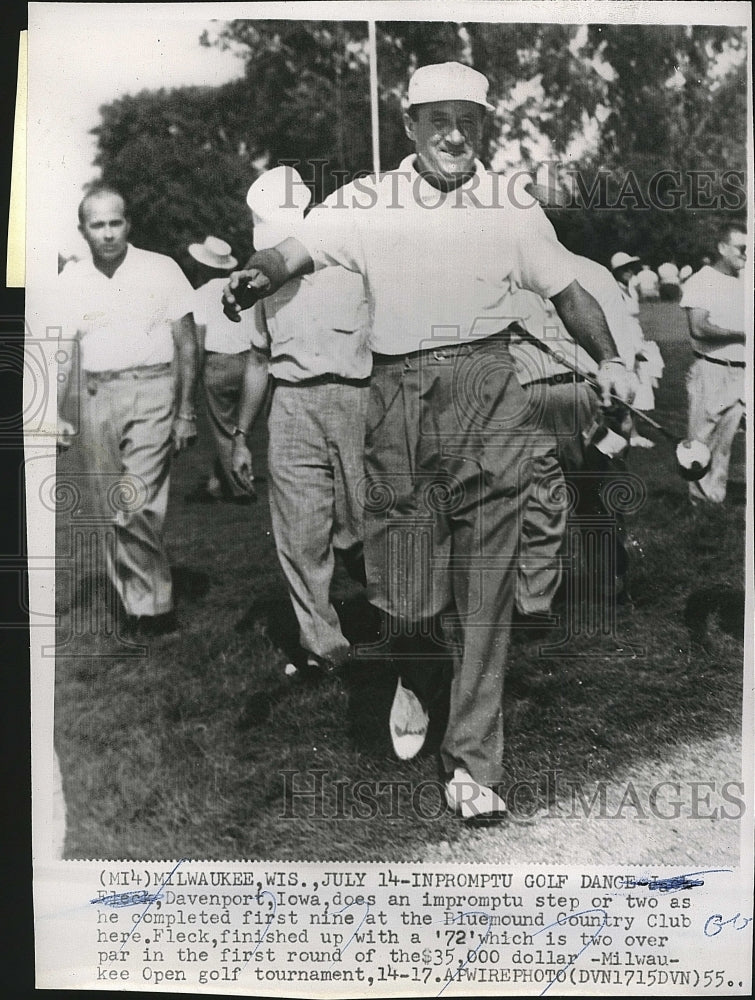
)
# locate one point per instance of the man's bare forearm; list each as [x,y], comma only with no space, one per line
[701,328]
[283,262]
[187,363]
[584,319]
[265,272]
[253,389]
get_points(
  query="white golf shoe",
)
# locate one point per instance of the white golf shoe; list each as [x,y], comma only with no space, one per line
[474,802]
[408,723]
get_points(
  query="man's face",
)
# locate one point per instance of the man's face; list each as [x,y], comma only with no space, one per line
[105,227]
[446,136]
[734,252]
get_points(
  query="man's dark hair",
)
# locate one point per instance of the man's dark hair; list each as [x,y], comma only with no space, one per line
[94,192]
[726,229]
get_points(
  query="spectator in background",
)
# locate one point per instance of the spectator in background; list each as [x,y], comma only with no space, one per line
[668,276]
[131,311]
[646,283]
[714,299]
[648,363]
[225,346]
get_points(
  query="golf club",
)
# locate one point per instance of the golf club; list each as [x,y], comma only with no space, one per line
[693,457]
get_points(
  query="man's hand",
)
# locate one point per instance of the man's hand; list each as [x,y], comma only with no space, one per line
[241,465]
[66,431]
[244,288]
[184,433]
[616,382]
[264,273]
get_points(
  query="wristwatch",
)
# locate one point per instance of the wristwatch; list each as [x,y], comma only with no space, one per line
[237,432]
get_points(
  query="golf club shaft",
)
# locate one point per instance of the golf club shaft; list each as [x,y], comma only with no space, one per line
[591,382]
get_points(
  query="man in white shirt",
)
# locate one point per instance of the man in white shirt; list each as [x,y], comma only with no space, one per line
[449,443]
[130,310]
[714,299]
[226,349]
[310,339]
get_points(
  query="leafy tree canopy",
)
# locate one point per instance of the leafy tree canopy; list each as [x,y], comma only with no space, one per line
[616,104]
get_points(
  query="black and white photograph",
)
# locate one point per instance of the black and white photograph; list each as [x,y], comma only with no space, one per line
[388,486]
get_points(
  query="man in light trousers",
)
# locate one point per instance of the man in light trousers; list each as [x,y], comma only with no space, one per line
[714,299]
[130,309]
[310,338]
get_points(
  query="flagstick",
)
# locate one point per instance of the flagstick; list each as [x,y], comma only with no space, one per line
[374,97]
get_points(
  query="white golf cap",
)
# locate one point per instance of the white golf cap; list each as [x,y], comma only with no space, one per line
[277,200]
[622,259]
[213,253]
[450,81]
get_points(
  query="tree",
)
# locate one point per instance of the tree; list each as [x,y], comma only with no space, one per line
[651,97]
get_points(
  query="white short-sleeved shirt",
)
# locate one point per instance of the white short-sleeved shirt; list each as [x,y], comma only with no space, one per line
[438,266]
[124,321]
[222,335]
[316,325]
[723,298]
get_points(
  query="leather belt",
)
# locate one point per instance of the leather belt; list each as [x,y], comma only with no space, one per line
[719,361]
[357,383]
[445,353]
[144,371]
[561,378]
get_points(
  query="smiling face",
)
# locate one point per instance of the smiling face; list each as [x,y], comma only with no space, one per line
[105,228]
[446,136]
[733,251]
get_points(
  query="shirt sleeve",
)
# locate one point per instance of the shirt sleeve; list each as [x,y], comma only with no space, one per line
[696,293]
[179,295]
[542,264]
[330,234]
[199,306]
[68,307]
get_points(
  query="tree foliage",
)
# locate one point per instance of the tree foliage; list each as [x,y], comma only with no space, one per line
[653,98]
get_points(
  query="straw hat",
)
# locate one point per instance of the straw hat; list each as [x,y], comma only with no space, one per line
[213,253]
[622,259]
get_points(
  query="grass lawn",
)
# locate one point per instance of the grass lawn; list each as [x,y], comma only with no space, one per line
[168,754]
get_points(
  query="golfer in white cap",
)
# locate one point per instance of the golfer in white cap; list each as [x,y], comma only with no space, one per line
[226,348]
[449,433]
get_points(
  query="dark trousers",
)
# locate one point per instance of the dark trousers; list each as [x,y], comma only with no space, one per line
[448,459]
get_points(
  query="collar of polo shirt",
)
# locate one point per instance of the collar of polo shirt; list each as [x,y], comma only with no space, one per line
[426,192]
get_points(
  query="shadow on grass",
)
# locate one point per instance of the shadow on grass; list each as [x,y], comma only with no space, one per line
[369,683]
[155,764]
[724,606]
